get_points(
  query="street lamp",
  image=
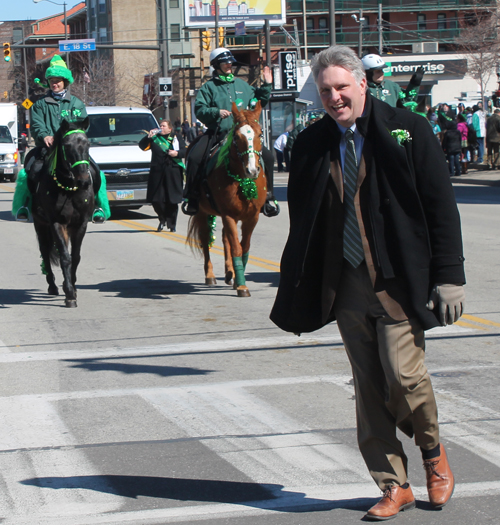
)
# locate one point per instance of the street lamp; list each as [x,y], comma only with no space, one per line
[65,20]
[360,21]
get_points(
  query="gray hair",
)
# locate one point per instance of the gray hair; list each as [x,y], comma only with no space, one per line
[341,56]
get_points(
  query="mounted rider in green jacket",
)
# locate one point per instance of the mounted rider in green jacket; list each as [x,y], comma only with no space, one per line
[385,89]
[47,115]
[213,108]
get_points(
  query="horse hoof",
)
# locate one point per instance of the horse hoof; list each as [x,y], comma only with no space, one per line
[243,292]
[210,281]
[70,303]
[229,278]
[53,290]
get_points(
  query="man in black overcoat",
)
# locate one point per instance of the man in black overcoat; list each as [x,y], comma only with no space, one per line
[375,244]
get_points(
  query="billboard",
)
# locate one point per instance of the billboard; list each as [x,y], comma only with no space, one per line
[288,70]
[201,13]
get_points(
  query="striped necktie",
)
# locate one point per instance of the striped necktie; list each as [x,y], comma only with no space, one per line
[353,246]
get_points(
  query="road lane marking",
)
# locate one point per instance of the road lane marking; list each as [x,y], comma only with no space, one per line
[221,345]
[35,422]
[480,320]
[181,239]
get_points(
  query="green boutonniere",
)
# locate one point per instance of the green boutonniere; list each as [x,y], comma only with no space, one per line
[401,135]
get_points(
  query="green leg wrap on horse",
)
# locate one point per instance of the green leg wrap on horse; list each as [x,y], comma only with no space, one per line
[239,271]
[22,195]
[244,259]
[101,199]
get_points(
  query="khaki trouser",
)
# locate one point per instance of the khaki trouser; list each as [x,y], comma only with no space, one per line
[392,385]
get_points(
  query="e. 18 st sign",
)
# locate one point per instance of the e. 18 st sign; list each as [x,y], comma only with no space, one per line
[85,44]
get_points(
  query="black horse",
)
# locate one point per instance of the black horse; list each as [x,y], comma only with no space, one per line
[63,202]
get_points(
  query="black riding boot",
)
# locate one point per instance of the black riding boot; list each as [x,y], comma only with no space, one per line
[271,207]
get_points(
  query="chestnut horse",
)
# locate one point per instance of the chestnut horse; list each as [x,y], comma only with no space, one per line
[235,190]
[63,204]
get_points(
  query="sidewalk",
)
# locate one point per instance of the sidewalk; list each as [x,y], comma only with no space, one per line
[477,174]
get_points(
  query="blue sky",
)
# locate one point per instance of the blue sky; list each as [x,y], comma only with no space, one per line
[28,10]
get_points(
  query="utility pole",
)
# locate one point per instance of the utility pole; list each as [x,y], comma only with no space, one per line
[27,113]
[164,50]
[333,29]
[267,33]
[380,29]
[360,43]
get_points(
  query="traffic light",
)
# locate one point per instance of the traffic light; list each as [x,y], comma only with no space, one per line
[221,37]
[206,39]
[6,52]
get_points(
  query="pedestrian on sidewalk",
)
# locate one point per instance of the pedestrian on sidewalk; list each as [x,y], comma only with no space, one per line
[464,134]
[479,125]
[493,139]
[375,244]
[279,148]
[452,146]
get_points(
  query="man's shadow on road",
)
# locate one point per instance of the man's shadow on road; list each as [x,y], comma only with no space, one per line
[267,496]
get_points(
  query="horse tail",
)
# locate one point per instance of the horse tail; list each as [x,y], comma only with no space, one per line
[195,235]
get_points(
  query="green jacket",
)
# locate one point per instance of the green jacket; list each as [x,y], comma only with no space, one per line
[387,91]
[217,94]
[48,113]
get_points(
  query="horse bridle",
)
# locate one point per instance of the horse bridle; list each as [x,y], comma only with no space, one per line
[250,149]
[71,166]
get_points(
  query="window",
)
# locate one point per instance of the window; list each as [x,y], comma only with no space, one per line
[102,6]
[322,23]
[421,22]
[310,24]
[442,21]
[186,35]
[173,3]
[103,35]
[175,32]
[338,25]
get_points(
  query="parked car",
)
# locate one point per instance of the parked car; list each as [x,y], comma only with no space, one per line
[114,134]
[9,155]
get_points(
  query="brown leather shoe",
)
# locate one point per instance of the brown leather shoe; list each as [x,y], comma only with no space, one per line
[440,480]
[396,499]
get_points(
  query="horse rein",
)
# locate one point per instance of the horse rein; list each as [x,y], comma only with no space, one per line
[71,166]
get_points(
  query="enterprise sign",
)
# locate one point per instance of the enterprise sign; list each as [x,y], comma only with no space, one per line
[456,68]
[288,69]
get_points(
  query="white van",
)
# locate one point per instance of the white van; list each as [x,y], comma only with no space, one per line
[114,134]
[9,155]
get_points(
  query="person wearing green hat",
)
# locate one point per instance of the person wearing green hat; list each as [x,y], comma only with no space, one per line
[46,117]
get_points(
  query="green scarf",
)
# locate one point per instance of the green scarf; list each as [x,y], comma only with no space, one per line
[227,78]
[165,145]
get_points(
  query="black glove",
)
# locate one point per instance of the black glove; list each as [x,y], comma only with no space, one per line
[416,79]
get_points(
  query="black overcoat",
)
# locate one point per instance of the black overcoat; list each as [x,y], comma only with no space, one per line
[165,175]
[406,200]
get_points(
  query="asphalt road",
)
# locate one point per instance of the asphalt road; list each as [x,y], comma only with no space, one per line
[160,400]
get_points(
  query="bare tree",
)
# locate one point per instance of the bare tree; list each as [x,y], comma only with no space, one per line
[95,79]
[479,41]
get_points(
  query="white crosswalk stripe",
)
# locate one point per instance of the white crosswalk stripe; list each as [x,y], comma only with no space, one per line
[46,478]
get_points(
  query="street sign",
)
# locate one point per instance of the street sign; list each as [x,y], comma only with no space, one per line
[165,86]
[27,103]
[85,44]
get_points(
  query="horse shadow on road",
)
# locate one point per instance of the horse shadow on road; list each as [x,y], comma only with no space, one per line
[116,364]
[143,288]
[260,496]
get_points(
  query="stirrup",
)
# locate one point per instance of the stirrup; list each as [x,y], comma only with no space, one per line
[271,208]
[189,211]
[23,211]
[98,219]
